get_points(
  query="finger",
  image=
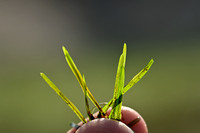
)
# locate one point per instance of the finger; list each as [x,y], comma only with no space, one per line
[104,125]
[129,115]
[129,118]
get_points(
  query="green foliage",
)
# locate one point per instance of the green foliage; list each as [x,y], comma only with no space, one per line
[119,90]
[80,78]
[134,80]
[119,85]
[91,117]
[67,101]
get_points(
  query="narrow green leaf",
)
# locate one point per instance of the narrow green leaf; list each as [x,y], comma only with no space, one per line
[80,79]
[67,101]
[91,117]
[137,77]
[107,106]
[134,80]
[119,85]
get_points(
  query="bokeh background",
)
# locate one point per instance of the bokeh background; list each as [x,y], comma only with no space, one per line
[33,32]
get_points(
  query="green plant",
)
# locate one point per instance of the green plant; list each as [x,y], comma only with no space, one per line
[119,90]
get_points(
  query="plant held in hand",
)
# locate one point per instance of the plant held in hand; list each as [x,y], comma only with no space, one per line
[113,110]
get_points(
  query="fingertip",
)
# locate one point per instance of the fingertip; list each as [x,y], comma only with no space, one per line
[103,125]
[128,115]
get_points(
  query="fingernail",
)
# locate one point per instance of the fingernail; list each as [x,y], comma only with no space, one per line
[134,122]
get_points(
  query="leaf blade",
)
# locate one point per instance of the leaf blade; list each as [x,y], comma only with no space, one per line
[119,85]
[137,77]
[80,78]
[67,101]
[134,80]
[91,117]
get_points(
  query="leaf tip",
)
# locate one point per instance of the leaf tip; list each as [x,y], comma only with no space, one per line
[125,47]
[64,50]
[84,79]
[151,62]
[41,74]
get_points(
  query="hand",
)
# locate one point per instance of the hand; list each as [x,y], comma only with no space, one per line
[131,121]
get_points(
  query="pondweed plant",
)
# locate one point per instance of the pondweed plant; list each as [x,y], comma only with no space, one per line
[119,90]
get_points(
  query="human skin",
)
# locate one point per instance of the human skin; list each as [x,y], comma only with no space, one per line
[106,125]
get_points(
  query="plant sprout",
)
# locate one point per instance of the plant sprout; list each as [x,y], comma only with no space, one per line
[119,90]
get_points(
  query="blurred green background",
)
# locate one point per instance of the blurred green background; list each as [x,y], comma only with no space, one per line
[31,36]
